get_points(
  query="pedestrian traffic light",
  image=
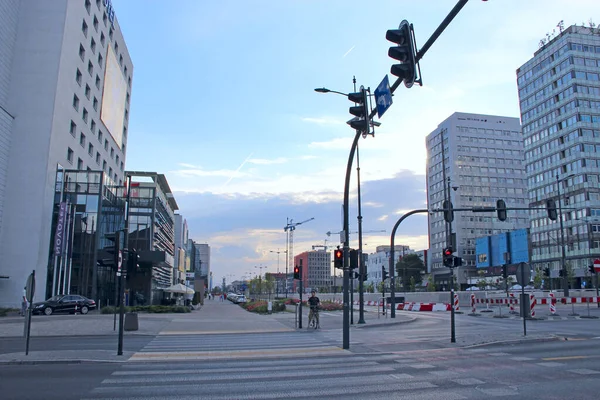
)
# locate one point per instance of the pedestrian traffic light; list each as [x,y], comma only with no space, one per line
[448,257]
[338,258]
[384,274]
[403,52]
[296,272]
[501,209]
[448,211]
[353,258]
[133,260]
[551,207]
[360,111]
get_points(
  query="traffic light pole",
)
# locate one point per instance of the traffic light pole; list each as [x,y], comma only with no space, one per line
[122,277]
[392,272]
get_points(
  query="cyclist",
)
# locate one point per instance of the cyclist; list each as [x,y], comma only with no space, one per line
[314,303]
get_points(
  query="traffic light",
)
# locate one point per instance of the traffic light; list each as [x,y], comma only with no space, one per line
[384,274]
[133,260]
[547,271]
[501,209]
[403,52]
[353,258]
[360,111]
[591,269]
[458,262]
[448,211]
[364,276]
[448,257]
[297,272]
[551,207]
[504,272]
[338,259]
[561,273]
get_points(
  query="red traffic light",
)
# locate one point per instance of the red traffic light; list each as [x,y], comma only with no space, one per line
[448,251]
[338,254]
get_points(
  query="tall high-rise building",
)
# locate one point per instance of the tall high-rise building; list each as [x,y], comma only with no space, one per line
[65,88]
[559,93]
[475,160]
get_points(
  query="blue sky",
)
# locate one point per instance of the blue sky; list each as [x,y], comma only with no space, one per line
[223,104]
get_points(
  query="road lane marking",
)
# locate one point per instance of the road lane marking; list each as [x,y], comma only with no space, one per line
[564,358]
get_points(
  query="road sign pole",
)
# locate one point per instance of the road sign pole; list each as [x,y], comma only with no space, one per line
[30,290]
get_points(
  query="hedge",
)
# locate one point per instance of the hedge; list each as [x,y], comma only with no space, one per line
[261,306]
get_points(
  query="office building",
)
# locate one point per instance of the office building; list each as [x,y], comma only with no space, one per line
[182,254]
[381,258]
[316,269]
[65,89]
[481,161]
[559,93]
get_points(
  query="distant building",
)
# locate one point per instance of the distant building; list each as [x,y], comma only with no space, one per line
[484,161]
[316,265]
[380,258]
[559,94]
[182,256]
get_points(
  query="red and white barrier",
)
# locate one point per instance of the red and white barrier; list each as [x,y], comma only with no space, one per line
[456,305]
[532,305]
[552,303]
[512,307]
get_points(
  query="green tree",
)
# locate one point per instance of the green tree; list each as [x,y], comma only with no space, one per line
[370,288]
[410,266]
[482,282]
[380,287]
[413,284]
[431,284]
[537,279]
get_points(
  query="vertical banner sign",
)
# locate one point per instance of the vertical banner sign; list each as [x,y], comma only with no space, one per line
[59,235]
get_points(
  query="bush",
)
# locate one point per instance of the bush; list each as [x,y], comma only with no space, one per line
[149,309]
[331,306]
[261,306]
[4,311]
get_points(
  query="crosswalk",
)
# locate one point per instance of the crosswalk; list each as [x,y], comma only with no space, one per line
[443,373]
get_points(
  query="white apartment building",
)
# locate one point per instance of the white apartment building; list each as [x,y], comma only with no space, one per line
[480,162]
[65,89]
[559,93]
[380,258]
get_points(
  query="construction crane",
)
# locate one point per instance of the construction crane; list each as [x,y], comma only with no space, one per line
[340,232]
[290,228]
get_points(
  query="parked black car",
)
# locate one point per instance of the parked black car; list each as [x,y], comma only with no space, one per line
[70,303]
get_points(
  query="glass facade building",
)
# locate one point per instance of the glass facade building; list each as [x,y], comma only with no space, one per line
[559,94]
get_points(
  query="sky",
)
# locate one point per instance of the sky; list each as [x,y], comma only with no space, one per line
[223,104]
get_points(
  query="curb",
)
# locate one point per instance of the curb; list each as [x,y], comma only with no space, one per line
[71,361]
[365,326]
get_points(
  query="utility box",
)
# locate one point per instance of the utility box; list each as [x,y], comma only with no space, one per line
[131,322]
[524,305]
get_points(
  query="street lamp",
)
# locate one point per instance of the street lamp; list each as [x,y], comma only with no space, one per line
[286,272]
[562,238]
[260,279]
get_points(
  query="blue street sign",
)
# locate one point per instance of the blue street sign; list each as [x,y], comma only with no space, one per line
[383,96]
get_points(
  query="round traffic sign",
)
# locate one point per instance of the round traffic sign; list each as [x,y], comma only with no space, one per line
[120,259]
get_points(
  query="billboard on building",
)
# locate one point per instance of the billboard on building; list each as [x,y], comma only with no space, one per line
[482,252]
[114,96]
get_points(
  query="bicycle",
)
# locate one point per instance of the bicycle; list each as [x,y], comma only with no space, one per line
[313,319]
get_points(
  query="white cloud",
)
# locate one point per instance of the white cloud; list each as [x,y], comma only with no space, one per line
[262,161]
[324,120]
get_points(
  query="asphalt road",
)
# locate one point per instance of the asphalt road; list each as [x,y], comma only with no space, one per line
[543,370]
[130,343]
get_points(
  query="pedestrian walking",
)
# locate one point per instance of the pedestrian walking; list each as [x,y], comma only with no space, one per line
[24,302]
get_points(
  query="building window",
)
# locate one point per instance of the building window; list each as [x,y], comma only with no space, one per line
[100,60]
[112,153]
[127,98]
[85,115]
[129,81]
[88,90]
[126,115]
[73,128]
[117,159]
[81,52]
[91,149]
[97,81]
[102,39]
[106,144]
[98,158]
[79,164]
[76,102]
[95,104]
[82,140]
[104,19]
[116,47]
[110,33]
[88,5]
[78,77]
[93,126]
[125,70]
[110,171]
[84,28]
[121,165]
[93,46]
[70,155]
[125,131]
[104,166]
[96,28]
[90,68]
[121,60]
[99,135]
